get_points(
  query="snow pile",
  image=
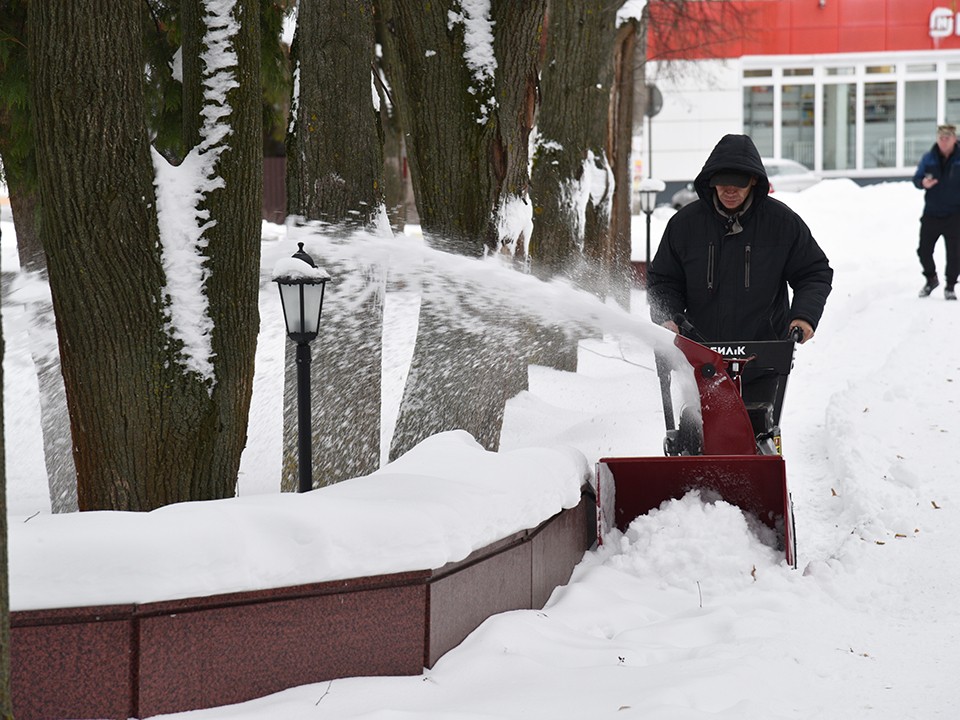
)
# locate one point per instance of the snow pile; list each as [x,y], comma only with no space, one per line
[438,503]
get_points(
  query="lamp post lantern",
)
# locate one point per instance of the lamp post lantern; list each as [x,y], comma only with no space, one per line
[302,285]
[648,191]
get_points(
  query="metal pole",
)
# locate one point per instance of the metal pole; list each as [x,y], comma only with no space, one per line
[649,143]
[305,454]
[647,213]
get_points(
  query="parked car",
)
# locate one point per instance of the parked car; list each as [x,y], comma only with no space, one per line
[788,175]
[683,196]
[783,174]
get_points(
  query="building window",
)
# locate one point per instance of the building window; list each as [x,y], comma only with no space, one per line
[758,116]
[879,125]
[839,126]
[797,123]
[856,115]
[952,110]
[920,118]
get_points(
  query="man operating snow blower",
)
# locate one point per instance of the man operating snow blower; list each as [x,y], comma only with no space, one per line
[720,279]
[725,261]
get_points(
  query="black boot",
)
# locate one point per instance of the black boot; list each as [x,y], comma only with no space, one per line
[932,283]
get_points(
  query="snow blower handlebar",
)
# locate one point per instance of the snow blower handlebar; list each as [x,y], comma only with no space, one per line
[726,425]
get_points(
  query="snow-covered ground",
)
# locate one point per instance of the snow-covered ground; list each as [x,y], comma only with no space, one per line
[687,615]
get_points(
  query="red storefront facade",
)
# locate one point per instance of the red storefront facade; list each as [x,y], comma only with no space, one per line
[848,87]
[820,27]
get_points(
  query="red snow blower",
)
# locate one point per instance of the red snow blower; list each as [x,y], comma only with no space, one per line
[726,447]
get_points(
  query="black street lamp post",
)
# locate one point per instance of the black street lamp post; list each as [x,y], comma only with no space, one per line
[301,285]
[648,191]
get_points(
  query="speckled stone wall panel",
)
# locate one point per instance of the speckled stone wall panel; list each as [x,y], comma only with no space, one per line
[71,669]
[559,546]
[461,600]
[194,653]
[219,656]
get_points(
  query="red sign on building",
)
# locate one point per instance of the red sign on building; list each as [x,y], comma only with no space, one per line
[800,27]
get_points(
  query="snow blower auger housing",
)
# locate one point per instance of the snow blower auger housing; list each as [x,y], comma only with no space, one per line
[730,449]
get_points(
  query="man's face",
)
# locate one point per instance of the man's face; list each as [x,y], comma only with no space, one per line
[732,197]
[946,142]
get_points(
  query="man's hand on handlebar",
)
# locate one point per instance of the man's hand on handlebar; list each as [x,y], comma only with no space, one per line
[800,331]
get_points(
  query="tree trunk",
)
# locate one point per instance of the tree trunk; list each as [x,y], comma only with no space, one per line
[617,251]
[571,180]
[26,218]
[336,142]
[6,702]
[447,143]
[467,127]
[19,165]
[335,176]
[148,428]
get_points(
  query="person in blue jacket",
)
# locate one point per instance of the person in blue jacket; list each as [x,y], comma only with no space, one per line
[938,173]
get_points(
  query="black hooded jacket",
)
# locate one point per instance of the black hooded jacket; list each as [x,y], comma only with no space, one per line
[734,286]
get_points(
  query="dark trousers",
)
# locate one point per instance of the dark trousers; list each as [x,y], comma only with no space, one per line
[760,387]
[931,228]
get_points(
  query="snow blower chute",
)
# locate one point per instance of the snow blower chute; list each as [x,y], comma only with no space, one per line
[726,448]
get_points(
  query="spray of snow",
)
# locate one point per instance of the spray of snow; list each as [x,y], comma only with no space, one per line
[474,15]
[182,189]
[467,290]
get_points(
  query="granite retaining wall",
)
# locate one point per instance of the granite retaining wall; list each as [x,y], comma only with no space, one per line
[135,661]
